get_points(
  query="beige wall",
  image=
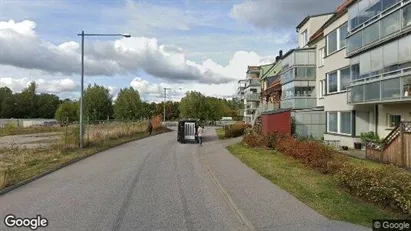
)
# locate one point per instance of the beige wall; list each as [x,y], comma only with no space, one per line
[336,102]
[312,25]
[344,140]
[402,109]
[336,24]
[320,72]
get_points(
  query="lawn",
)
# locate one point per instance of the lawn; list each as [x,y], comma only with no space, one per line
[220,133]
[318,191]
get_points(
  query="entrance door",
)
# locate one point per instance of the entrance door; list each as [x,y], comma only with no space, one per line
[189,131]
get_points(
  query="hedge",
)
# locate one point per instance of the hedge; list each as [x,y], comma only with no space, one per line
[234,130]
[386,185]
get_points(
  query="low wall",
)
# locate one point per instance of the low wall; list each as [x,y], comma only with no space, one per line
[279,121]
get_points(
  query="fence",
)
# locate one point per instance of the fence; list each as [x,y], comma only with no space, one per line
[19,123]
[394,149]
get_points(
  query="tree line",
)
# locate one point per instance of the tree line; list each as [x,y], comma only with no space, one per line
[98,104]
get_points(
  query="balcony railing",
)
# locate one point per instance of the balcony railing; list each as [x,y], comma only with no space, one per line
[253,97]
[253,83]
[387,87]
[298,103]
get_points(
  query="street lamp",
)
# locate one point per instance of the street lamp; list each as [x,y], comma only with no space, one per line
[165,97]
[82,76]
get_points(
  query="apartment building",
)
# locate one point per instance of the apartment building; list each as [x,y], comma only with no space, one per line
[379,50]
[249,90]
[270,84]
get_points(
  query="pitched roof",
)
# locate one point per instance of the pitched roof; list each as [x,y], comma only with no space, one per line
[339,12]
[308,17]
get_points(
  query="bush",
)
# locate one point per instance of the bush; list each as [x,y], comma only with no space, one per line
[156,122]
[234,130]
[388,186]
[254,139]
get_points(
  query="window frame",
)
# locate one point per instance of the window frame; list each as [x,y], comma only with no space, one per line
[305,37]
[338,40]
[338,132]
[390,120]
[338,71]
[321,56]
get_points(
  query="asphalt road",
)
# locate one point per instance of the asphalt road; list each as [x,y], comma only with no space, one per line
[151,184]
[159,184]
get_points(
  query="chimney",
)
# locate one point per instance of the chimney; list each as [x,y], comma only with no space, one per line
[277,58]
[281,54]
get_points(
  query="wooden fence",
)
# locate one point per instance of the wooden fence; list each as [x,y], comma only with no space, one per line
[395,149]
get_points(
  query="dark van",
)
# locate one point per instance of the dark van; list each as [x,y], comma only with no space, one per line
[187,130]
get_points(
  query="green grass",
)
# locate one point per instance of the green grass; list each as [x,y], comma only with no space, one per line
[318,191]
[35,162]
[220,133]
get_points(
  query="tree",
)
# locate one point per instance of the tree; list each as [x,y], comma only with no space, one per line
[26,102]
[193,105]
[47,105]
[5,92]
[68,110]
[9,107]
[97,103]
[128,105]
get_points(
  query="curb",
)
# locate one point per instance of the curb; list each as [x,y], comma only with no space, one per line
[21,183]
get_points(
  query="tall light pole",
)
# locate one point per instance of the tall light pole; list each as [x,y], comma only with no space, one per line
[82,76]
[165,98]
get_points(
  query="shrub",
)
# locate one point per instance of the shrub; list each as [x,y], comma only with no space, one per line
[254,139]
[235,130]
[156,122]
[388,186]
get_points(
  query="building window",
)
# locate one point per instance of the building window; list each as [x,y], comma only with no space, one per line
[345,122]
[321,88]
[393,120]
[332,122]
[371,34]
[305,38]
[391,24]
[344,78]
[339,122]
[406,14]
[339,80]
[336,39]
[321,57]
[332,82]
[332,42]
[343,30]
[355,41]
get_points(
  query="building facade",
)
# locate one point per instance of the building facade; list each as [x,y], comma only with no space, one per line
[379,52]
[249,90]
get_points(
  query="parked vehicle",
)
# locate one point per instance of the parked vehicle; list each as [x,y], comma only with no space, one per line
[187,130]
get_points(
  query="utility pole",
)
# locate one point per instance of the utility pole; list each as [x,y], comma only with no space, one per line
[82,90]
[165,97]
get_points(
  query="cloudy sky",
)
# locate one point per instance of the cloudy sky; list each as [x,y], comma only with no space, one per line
[202,45]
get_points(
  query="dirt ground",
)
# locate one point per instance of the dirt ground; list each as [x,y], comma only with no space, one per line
[29,140]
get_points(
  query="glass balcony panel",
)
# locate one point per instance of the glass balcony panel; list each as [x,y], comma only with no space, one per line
[357,94]
[372,91]
[391,89]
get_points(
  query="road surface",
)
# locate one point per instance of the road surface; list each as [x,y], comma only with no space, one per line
[159,184]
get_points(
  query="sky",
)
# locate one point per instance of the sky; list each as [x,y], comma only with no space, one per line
[184,45]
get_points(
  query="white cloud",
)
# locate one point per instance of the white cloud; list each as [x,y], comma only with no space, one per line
[280,14]
[122,56]
[43,86]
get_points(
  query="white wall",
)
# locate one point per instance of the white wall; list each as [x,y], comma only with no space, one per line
[402,109]
[312,25]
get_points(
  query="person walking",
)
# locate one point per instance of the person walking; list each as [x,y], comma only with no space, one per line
[150,127]
[200,131]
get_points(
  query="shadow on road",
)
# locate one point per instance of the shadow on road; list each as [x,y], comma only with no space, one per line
[209,138]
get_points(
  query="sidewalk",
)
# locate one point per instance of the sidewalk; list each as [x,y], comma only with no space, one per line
[264,204]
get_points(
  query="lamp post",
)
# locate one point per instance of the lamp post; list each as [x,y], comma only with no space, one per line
[82,76]
[165,98]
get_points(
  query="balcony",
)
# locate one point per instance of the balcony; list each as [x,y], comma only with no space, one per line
[270,106]
[298,103]
[253,83]
[253,97]
[393,86]
[299,57]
